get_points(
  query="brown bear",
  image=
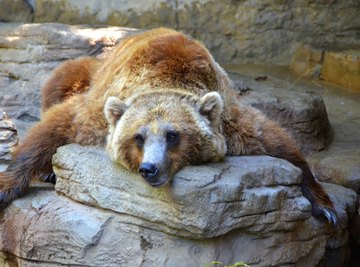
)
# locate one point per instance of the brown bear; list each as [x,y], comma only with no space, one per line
[157,102]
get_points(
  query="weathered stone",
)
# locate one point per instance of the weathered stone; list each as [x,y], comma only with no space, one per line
[302,114]
[339,166]
[342,68]
[251,207]
[235,31]
[28,54]
[230,197]
[16,10]
[8,139]
[307,61]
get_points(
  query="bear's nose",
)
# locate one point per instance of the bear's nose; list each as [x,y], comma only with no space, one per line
[148,171]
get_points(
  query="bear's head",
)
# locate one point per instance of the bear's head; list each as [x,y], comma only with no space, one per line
[156,134]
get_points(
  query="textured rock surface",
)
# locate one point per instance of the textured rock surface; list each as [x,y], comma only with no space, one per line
[339,163]
[339,166]
[236,31]
[170,227]
[8,139]
[302,114]
[307,61]
[226,201]
[342,68]
[28,54]
[16,10]
[341,158]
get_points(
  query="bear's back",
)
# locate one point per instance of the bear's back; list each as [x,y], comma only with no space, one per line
[160,58]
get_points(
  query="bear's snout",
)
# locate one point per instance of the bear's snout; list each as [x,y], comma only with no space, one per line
[148,171]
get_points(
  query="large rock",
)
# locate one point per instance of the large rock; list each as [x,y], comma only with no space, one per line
[29,52]
[244,209]
[302,114]
[339,166]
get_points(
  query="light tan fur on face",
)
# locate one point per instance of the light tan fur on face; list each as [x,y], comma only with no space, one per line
[195,128]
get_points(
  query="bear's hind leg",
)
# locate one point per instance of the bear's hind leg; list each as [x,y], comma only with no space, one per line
[278,143]
[249,132]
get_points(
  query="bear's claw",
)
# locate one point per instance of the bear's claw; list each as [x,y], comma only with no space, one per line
[50,178]
[330,215]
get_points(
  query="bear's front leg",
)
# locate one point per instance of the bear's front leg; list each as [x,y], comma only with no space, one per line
[32,158]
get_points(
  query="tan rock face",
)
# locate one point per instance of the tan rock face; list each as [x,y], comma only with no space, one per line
[244,209]
[342,68]
[307,61]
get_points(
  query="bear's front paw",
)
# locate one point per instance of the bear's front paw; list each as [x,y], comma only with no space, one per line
[325,212]
[5,199]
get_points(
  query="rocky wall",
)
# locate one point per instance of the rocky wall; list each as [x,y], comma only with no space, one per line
[235,31]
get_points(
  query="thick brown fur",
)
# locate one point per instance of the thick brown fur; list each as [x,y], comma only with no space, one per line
[70,78]
[158,65]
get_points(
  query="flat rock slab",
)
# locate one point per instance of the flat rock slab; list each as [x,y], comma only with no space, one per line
[244,209]
[242,192]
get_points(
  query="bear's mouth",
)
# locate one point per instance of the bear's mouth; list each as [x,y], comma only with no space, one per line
[159,184]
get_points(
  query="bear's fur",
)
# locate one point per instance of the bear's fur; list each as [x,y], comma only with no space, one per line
[157,102]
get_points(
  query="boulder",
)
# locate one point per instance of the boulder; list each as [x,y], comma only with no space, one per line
[244,209]
[340,166]
[302,114]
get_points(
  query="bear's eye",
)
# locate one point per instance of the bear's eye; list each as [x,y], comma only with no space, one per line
[172,138]
[139,139]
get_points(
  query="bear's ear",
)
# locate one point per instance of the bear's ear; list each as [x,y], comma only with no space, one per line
[114,109]
[211,106]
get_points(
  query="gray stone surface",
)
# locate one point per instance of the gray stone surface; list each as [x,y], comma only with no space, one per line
[229,196]
[8,139]
[302,114]
[235,31]
[244,209]
[28,54]
[340,166]
[16,10]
